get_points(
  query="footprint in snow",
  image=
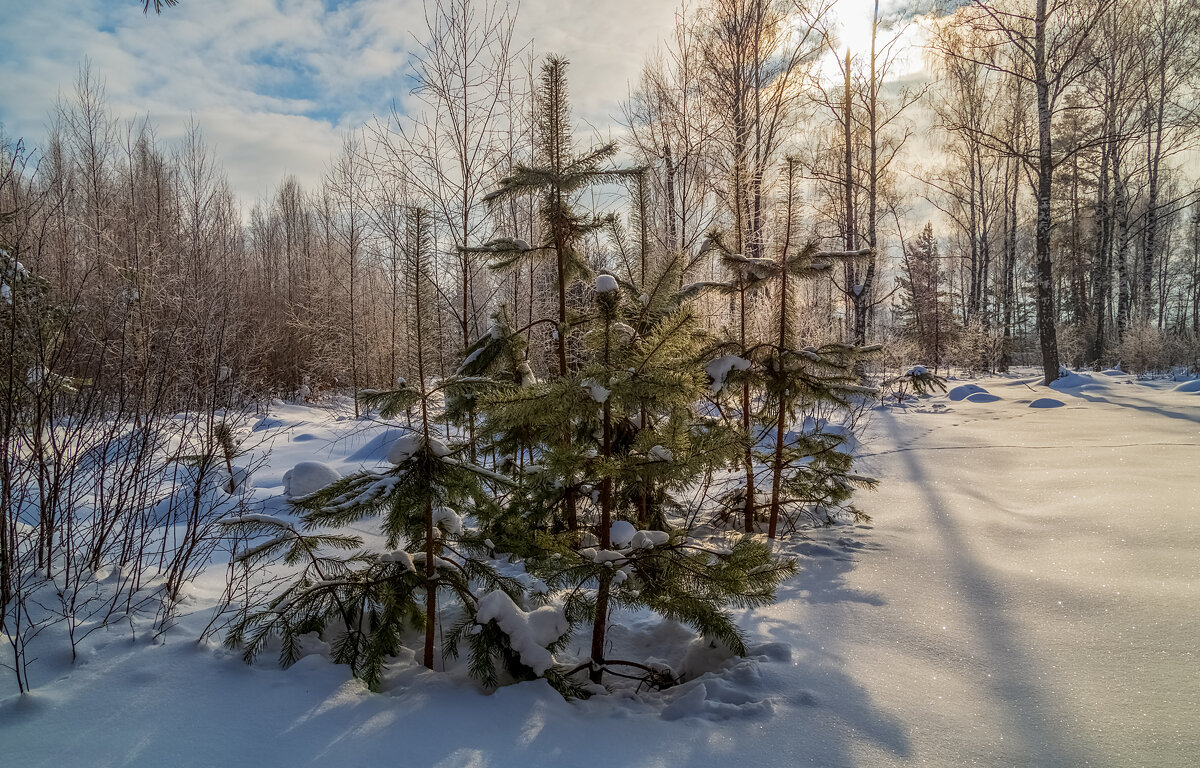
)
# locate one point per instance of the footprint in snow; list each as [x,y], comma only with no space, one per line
[816,550]
[733,695]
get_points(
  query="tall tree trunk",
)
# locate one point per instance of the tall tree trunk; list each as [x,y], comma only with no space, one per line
[1047,334]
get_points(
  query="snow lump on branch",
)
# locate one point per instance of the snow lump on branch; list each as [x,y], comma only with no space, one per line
[528,633]
[718,369]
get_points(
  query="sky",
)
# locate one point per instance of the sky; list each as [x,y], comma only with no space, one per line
[274,85]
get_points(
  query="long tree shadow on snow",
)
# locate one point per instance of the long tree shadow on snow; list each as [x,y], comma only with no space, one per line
[1032,715]
[1127,401]
[826,558]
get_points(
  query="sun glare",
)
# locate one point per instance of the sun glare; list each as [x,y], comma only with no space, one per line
[852,26]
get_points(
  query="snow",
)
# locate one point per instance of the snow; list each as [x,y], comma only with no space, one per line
[447,519]
[379,443]
[621,534]
[399,556]
[719,369]
[760,267]
[605,283]
[1047,402]
[528,633]
[624,329]
[1068,380]
[649,539]
[659,453]
[526,374]
[1189,386]
[963,391]
[916,370]
[1023,597]
[403,448]
[470,359]
[308,477]
[595,390]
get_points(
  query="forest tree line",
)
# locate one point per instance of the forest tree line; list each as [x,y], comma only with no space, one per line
[702,305]
[1066,156]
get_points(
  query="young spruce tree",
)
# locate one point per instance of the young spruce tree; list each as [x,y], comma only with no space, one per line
[556,178]
[809,470]
[631,407]
[368,599]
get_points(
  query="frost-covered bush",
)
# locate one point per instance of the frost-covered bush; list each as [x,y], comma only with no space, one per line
[1145,348]
[916,381]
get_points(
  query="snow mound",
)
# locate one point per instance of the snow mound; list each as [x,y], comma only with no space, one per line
[605,283]
[689,704]
[1047,402]
[1070,380]
[528,633]
[308,477]
[376,449]
[1189,386]
[982,397]
[716,699]
[963,391]
[704,655]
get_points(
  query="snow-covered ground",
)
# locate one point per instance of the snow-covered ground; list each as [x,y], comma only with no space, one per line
[1028,594]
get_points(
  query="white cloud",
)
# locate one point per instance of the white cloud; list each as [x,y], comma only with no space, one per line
[275,84]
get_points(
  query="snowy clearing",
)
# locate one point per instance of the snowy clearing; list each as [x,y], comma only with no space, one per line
[1026,595]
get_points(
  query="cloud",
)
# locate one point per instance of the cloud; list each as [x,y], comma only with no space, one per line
[275,84]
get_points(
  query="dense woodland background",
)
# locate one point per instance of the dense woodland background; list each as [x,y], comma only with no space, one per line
[164,270]
[1032,200]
